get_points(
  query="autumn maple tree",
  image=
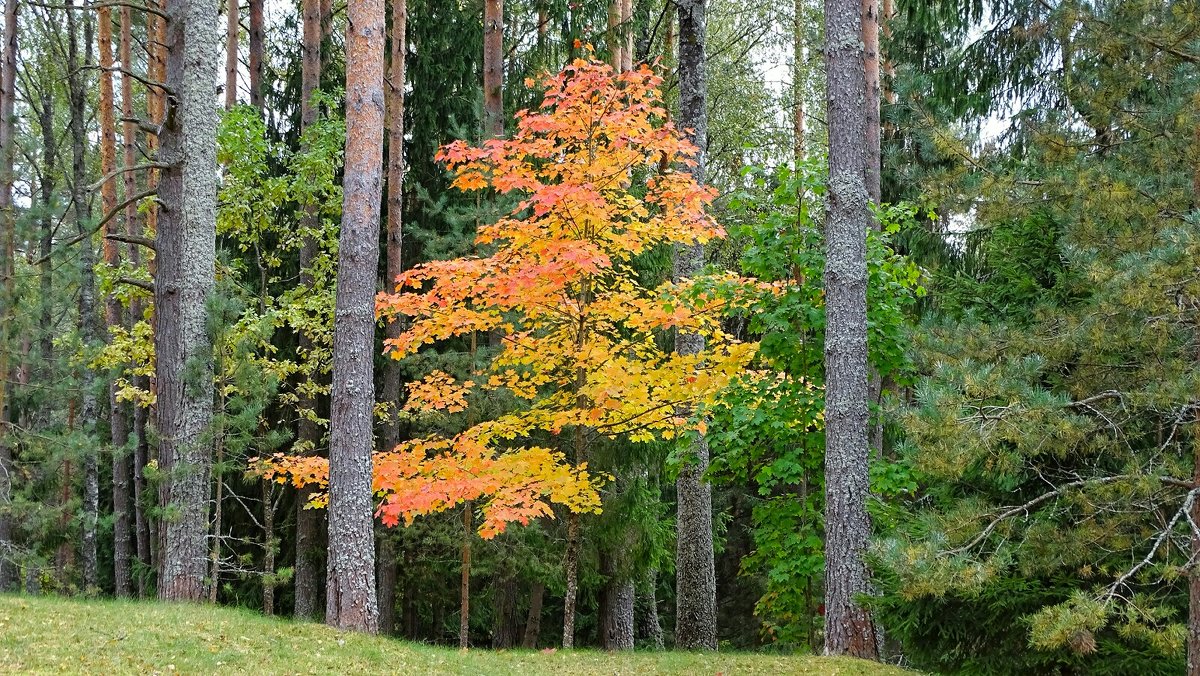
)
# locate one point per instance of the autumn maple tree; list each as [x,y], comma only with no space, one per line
[593,171]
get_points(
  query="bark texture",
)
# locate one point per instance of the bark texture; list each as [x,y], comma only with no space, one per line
[113,310]
[89,319]
[350,594]
[308,521]
[185,245]
[386,576]
[8,570]
[390,395]
[649,627]
[125,465]
[571,566]
[695,570]
[798,81]
[255,57]
[533,621]
[618,620]
[848,626]
[493,68]
[232,31]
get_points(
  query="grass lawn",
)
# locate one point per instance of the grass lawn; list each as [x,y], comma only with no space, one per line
[56,635]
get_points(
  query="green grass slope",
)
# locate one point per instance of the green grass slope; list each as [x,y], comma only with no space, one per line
[54,635]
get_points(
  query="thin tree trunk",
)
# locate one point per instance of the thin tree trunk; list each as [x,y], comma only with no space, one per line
[308,521]
[8,571]
[232,29]
[132,472]
[1193,633]
[256,54]
[613,35]
[386,577]
[113,311]
[870,41]
[572,575]
[156,52]
[214,547]
[887,85]
[350,599]
[533,621]
[626,35]
[464,592]
[848,626]
[390,391]
[695,577]
[493,68]
[88,318]
[185,246]
[269,547]
[798,82]
[650,627]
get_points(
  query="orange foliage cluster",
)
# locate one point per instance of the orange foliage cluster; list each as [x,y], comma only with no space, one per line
[582,334]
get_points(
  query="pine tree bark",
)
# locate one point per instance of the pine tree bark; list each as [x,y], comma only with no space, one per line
[571,566]
[126,467]
[848,626]
[350,599]
[1193,633]
[870,41]
[695,577]
[232,31]
[464,583]
[626,36]
[148,528]
[386,577]
[613,35]
[269,547]
[255,57]
[113,311]
[89,319]
[493,68]
[649,626]
[618,618]
[798,82]
[308,521]
[533,621]
[8,571]
[185,244]
[504,611]
[390,395]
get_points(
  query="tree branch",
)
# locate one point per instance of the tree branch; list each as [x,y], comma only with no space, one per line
[96,228]
[141,284]
[121,170]
[132,239]
[99,5]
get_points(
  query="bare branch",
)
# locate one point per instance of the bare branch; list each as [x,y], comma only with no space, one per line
[121,170]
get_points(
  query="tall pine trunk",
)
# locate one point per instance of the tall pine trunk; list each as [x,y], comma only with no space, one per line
[232,31]
[309,547]
[113,310]
[493,68]
[798,82]
[255,57]
[390,391]
[695,570]
[8,570]
[185,244]
[848,626]
[124,465]
[350,596]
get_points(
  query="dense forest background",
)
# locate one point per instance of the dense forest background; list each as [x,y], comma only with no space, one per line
[189,327]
